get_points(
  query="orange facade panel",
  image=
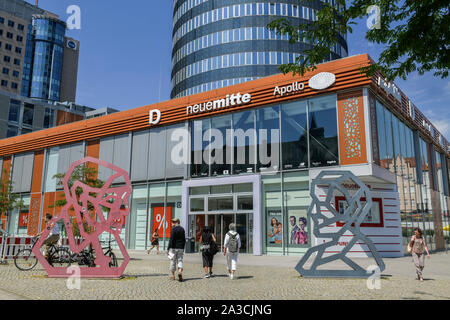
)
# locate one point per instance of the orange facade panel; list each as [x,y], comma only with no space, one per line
[352,133]
[38,169]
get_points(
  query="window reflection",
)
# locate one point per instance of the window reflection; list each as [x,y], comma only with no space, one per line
[294,135]
[323,131]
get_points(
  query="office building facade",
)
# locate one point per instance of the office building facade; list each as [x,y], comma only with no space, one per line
[248,154]
[36,58]
[20,115]
[222,43]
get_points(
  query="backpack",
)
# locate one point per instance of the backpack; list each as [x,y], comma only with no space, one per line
[233,244]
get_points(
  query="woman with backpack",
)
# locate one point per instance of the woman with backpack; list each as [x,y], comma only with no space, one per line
[209,249]
[231,248]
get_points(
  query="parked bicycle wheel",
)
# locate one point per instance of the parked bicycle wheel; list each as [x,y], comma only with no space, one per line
[25,260]
[113,262]
[61,258]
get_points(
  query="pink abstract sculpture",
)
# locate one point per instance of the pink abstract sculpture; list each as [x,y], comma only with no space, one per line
[114,198]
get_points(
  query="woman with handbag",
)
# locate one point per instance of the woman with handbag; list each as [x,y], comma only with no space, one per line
[416,247]
[209,249]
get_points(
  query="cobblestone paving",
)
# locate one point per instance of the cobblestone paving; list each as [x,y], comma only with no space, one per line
[147,278]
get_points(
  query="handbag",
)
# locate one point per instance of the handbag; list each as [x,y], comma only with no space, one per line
[213,248]
[409,248]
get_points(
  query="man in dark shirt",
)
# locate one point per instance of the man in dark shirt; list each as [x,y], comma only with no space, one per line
[175,249]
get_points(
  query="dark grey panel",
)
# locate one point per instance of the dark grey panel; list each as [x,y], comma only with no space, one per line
[76,152]
[121,153]
[157,154]
[4,108]
[17,173]
[174,170]
[63,159]
[38,119]
[27,174]
[139,156]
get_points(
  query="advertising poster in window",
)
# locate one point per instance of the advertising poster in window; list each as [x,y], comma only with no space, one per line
[373,219]
[274,227]
[159,222]
[23,220]
[298,227]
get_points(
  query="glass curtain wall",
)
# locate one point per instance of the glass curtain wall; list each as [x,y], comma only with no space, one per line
[291,136]
[397,154]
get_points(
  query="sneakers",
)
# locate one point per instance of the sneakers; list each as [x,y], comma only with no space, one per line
[207,276]
[211,275]
[180,278]
[232,276]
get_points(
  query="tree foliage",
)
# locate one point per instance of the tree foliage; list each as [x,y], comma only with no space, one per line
[8,200]
[88,176]
[415,35]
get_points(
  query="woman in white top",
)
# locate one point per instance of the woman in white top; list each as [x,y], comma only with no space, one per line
[231,247]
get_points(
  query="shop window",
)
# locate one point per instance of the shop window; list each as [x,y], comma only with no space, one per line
[323,132]
[268,130]
[244,142]
[294,135]
[200,141]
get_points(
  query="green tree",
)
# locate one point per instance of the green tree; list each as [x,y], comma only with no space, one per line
[8,200]
[415,35]
[86,175]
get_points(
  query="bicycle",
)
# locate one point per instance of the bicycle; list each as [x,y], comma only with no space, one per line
[25,260]
[110,253]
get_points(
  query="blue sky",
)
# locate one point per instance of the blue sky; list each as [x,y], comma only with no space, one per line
[125,57]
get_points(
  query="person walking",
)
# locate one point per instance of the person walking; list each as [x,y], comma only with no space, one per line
[208,240]
[175,250]
[231,247]
[54,234]
[418,246]
[155,242]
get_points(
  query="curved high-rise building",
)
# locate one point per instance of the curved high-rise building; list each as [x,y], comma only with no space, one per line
[217,43]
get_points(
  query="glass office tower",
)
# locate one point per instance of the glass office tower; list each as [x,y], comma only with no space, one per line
[221,43]
[44,59]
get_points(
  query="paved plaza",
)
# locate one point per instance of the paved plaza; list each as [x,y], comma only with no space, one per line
[262,278]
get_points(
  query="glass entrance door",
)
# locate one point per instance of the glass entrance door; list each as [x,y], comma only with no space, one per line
[219,224]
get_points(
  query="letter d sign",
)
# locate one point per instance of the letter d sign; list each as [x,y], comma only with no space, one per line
[154,117]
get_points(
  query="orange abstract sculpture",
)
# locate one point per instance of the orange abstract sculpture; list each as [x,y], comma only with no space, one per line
[115,199]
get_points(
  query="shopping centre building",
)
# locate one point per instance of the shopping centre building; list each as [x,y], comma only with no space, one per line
[247,154]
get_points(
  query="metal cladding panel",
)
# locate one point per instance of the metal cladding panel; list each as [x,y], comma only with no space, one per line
[174,170]
[17,173]
[76,152]
[139,156]
[157,154]
[106,154]
[121,153]
[63,159]
[27,173]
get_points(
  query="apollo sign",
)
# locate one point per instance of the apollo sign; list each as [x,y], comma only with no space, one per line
[322,81]
[294,87]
